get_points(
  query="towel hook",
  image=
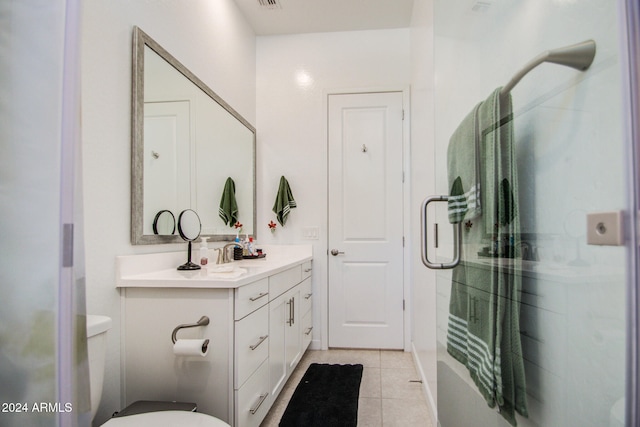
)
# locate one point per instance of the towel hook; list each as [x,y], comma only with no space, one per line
[204,321]
[364,148]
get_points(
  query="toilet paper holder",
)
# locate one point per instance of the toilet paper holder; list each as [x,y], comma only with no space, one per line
[204,321]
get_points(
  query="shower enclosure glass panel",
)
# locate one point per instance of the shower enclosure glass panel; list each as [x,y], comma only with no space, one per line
[569,157]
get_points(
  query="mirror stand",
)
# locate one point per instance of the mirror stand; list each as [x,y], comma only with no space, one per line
[189,227]
[189,265]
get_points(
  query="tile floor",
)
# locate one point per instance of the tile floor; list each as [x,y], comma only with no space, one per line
[387,397]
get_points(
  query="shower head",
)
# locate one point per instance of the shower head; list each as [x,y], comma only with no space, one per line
[578,56]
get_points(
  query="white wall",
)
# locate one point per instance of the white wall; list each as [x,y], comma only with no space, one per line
[294,74]
[214,41]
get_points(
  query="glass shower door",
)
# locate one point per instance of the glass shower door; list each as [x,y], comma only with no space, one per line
[531,323]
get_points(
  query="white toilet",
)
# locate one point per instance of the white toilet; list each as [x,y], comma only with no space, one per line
[97,327]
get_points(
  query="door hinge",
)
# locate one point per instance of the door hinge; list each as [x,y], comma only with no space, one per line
[403,305]
[67,245]
[402,114]
[403,177]
[403,241]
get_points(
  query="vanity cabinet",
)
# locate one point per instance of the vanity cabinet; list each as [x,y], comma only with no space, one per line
[285,324]
[258,332]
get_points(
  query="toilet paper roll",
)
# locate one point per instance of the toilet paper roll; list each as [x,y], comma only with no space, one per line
[191,348]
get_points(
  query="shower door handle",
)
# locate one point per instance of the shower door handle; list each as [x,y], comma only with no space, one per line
[456,237]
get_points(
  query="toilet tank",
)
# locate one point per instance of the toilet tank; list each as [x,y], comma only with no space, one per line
[97,327]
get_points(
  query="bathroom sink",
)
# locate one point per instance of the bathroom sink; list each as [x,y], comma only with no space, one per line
[226,272]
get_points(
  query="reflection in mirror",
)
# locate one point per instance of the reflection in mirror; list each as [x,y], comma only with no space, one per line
[186,142]
[189,227]
[164,223]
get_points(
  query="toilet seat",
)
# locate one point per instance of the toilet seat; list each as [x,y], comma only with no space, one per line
[166,419]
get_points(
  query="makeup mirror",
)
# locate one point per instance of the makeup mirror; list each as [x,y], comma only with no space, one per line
[164,223]
[189,227]
[186,142]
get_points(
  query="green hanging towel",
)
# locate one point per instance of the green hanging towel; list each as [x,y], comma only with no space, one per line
[464,158]
[228,209]
[284,201]
[484,310]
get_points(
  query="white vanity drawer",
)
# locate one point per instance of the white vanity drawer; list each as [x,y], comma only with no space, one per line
[306,296]
[307,330]
[253,399]
[282,282]
[306,270]
[251,344]
[251,297]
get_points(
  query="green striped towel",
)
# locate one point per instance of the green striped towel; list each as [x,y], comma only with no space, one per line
[284,201]
[484,310]
[228,209]
[463,168]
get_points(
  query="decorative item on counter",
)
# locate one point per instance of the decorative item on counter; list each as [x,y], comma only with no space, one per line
[238,226]
[284,201]
[237,249]
[272,226]
[204,251]
[246,246]
[251,247]
[228,209]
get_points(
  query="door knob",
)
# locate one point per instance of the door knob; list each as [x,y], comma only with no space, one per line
[336,252]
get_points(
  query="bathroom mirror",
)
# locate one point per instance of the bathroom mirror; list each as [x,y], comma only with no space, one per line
[189,227]
[186,142]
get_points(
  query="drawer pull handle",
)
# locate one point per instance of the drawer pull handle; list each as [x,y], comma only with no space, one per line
[306,270]
[260,295]
[260,341]
[260,401]
[308,331]
[307,296]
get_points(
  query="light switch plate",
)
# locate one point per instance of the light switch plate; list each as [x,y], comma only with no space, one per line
[311,233]
[605,228]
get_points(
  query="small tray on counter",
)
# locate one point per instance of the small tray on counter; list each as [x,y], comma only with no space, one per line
[254,256]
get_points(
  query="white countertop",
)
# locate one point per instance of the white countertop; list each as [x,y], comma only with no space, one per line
[160,270]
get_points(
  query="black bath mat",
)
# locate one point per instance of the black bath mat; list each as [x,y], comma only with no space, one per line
[326,396]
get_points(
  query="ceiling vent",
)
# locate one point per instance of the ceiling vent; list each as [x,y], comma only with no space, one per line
[270,4]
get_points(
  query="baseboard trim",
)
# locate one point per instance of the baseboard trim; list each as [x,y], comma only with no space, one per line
[425,385]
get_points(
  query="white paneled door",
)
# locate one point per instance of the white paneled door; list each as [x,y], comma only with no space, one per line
[366,290]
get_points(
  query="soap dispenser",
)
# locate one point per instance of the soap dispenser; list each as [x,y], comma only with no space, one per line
[204,251]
